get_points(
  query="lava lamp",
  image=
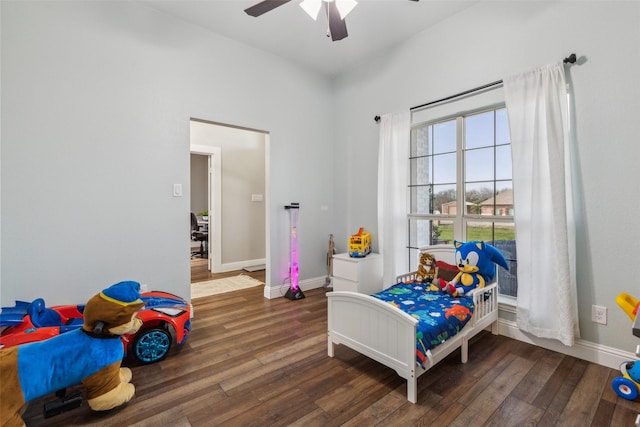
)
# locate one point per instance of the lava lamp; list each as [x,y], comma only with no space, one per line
[294,292]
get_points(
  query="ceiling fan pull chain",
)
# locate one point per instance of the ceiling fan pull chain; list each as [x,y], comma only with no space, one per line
[326,4]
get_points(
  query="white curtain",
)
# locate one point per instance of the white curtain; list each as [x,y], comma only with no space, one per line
[393,160]
[537,107]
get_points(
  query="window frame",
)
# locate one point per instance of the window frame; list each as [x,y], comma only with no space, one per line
[461,219]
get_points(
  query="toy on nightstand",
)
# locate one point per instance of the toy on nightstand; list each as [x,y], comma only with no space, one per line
[360,244]
[628,385]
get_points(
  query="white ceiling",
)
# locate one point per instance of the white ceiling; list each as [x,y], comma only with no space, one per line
[287,31]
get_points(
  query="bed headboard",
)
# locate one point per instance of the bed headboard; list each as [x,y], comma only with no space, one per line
[446,253]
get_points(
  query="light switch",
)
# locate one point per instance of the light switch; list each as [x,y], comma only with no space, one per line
[177,190]
[257,198]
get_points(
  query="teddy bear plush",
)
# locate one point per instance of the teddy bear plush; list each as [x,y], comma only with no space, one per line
[476,264]
[90,356]
[426,267]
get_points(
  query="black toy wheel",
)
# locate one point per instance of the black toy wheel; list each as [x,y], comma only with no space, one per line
[151,345]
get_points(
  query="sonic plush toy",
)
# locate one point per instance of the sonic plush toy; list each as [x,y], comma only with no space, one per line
[91,356]
[476,262]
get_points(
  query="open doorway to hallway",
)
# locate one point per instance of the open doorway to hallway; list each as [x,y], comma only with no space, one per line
[200,204]
[237,195]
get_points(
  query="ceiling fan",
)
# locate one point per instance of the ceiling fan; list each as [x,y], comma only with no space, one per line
[337,11]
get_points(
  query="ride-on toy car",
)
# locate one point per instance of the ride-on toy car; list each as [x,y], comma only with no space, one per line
[166,321]
[628,385]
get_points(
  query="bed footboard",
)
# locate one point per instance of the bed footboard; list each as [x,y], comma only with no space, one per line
[373,328]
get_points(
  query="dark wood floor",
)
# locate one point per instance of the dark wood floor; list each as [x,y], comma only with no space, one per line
[250,361]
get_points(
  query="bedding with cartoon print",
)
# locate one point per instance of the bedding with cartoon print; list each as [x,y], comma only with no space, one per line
[439,315]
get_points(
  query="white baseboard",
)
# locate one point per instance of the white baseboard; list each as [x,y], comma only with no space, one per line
[586,350]
[279,291]
[233,266]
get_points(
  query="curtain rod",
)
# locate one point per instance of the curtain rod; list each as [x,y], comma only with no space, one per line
[571,59]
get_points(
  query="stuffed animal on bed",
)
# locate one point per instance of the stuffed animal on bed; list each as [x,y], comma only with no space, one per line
[476,264]
[426,267]
[91,355]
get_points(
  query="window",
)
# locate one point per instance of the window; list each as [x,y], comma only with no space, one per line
[461,187]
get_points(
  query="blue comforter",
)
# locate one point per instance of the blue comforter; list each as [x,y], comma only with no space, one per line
[439,315]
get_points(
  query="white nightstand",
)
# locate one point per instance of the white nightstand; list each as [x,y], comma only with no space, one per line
[362,275]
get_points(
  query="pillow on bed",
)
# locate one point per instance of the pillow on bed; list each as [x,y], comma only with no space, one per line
[445,271]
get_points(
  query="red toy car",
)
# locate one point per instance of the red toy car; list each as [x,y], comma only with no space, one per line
[166,321]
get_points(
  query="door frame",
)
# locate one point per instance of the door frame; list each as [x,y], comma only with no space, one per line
[214,186]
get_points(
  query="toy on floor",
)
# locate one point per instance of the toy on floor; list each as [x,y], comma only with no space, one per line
[166,322]
[90,355]
[328,283]
[476,261]
[628,385]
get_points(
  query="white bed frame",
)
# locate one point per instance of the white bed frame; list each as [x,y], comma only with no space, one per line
[384,333]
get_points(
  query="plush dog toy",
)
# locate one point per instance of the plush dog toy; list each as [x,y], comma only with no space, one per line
[476,262]
[426,267]
[91,356]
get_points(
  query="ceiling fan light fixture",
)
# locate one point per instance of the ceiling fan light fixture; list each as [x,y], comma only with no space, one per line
[312,7]
[337,11]
[345,6]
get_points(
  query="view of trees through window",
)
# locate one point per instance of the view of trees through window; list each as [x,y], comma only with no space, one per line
[461,186]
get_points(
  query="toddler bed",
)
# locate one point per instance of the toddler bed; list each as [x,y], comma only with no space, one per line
[379,330]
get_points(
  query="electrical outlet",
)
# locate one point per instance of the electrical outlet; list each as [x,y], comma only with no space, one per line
[599,314]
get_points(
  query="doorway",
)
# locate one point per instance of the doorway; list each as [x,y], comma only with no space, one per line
[205,201]
[237,195]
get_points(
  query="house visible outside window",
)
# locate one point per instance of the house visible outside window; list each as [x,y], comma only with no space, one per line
[461,187]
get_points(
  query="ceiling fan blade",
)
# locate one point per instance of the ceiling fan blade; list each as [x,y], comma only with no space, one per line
[264,7]
[337,25]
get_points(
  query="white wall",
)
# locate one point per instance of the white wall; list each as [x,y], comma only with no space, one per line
[486,43]
[96,103]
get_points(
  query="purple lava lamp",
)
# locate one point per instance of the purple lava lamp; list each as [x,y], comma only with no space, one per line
[294,292]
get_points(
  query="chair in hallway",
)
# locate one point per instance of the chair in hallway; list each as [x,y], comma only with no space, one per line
[199,236]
